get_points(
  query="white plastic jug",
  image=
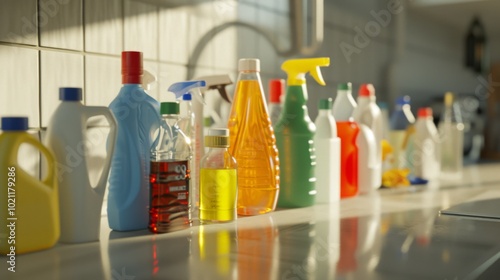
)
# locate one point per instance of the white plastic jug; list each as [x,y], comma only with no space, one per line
[80,204]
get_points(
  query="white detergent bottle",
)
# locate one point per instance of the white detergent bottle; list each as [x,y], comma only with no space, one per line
[327,145]
[368,113]
[80,203]
[427,155]
[344,103]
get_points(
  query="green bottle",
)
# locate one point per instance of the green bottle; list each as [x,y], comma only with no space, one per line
[294,135]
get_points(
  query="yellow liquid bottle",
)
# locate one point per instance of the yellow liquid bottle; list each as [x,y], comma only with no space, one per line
[30,207]
[218,180]
[253,143]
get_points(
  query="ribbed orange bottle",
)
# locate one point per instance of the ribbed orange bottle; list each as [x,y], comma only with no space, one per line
[348,132]
[252,143]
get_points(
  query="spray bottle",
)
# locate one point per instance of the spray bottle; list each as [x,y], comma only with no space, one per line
[294,135]
[188,125]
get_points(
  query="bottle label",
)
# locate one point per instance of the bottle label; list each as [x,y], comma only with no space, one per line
[169,194]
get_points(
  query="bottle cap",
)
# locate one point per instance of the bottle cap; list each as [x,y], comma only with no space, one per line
[70,94]
[425,112]
[366,90]
[249,64]
[276,89]
[296,69]
[403,100]
[132,67]
[325,104]
[187,97]
[218,132]
[344,86]
[448,99]
[217,138]
[14,123]
[169,108]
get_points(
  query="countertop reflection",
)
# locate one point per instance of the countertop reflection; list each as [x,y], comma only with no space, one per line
[391,234]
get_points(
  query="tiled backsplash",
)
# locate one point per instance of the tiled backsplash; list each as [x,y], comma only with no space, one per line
[47,44]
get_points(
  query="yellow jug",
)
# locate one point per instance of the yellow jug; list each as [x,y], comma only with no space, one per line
[29,214]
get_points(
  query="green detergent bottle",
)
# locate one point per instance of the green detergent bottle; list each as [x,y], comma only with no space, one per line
[294,135]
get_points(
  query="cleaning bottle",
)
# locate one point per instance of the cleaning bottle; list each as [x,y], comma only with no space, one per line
[212,83]
[427,155]
[327,145]
[170,205]
[276,89]
[451,131]
[79,201]
[344,103]
[30,207]
[400,120]
[218,180]
[347,131]
[252,143]
[187,125]
[137,115]
[295,133]
[369,118]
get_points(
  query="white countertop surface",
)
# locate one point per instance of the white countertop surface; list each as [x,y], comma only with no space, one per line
[391,234]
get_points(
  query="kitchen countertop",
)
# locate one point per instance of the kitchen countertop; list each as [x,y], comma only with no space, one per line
[390,234]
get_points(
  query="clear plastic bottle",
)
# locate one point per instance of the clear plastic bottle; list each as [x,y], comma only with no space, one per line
[170,206]
[218,179]
[253,143]
[451,131]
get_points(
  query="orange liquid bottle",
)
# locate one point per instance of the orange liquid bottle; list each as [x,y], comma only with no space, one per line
[348,132]
[252,143]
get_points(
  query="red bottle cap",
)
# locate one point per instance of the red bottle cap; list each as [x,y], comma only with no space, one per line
[132,67]
[276,89]
[425,112]
[366,90]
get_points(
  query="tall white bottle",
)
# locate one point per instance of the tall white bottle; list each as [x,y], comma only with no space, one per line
[80,203]
[344,103]
[327,145]
[368,114]
[427,155]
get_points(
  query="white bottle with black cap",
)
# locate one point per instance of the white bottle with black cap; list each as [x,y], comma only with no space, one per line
[80,202]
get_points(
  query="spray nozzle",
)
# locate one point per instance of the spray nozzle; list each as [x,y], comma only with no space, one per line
[148,78]
[296,70]
[218,82]
[181,88]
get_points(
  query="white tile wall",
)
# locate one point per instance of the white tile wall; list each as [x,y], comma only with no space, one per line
[66,14]
[141,28]
[58,69]
[103,26]
[18,21]
[174,40]
[19,83]
[198,26]
[102,79]
[169,74]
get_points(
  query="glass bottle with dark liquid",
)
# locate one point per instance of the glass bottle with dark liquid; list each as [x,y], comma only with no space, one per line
[170,207]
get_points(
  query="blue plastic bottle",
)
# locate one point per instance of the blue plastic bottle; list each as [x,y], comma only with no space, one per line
[138,117]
